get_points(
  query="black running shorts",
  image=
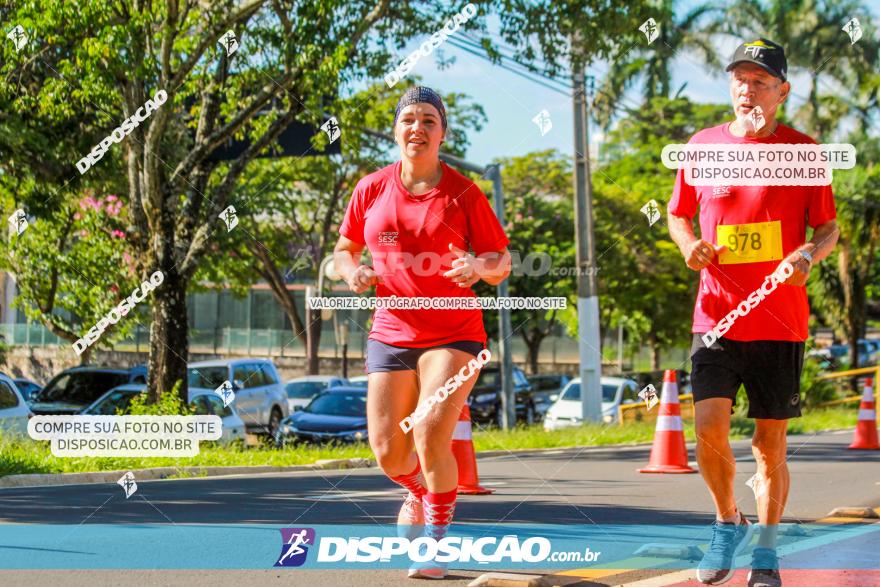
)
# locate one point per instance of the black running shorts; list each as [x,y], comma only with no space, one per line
[385,357]
[770,370]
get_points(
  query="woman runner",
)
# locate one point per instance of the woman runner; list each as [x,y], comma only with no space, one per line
[418,218]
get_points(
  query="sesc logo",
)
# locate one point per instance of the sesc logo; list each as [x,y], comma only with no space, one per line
[295,546]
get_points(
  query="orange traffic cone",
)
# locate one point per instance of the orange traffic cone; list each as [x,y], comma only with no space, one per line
[866,428]
[668,454]
[463,449]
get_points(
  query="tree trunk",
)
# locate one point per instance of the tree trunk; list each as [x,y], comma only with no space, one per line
[169,341]
[314,322]
[655,351]
[533,345]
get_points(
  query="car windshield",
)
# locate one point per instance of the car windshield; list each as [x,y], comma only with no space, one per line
[573,392]
[305,389]
[81,387]
[339,404]
[488,379]
[206,377]
[117,400]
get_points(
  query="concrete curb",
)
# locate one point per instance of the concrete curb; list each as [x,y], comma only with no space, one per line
[49,479]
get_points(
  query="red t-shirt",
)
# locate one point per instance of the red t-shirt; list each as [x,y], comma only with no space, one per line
[402,232]
[783,314]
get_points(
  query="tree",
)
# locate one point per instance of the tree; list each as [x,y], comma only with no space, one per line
[652,63]
[649,289]
[841,291]
[291,210]
[90,66]
[811,33]
[538,209]
[67,269]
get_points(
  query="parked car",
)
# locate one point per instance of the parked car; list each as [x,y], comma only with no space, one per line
[655,378]
[546,389]
[336,415]
[72,390]
[566,411]
[301,390]
[119,399]
[14,411]
[27,387]
[359,381]
[485,397]
[260,398]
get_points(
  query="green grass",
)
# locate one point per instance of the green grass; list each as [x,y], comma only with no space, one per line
[26,456]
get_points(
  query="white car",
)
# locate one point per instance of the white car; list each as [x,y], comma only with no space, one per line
[301,390]
[566,411]
[204,404]
[14,411]
[260,399]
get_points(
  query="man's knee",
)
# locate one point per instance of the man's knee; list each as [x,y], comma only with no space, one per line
[770,445]
[712,421]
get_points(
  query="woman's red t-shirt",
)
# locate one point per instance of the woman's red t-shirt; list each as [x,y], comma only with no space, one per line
[408,238]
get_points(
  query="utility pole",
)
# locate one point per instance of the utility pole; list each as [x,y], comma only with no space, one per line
[588,300]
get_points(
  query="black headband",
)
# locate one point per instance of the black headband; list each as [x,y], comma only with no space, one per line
[419,94]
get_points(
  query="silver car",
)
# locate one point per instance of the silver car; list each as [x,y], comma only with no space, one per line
[203,404]
[260,398]
[14,412]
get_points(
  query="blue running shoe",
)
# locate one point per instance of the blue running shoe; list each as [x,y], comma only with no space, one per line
[728,540]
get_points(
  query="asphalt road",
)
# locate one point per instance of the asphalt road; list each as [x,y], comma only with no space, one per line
[573,486]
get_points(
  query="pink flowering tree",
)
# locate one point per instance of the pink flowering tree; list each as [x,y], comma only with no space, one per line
[72,267]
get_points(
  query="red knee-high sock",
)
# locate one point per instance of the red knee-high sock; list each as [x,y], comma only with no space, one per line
[414,481]
[439,509]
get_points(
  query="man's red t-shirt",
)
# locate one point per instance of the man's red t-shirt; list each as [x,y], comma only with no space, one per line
[783,314]
[408,238]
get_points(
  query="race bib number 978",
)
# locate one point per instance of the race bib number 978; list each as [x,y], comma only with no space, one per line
[750,243]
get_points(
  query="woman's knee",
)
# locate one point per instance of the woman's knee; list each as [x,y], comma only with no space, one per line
[428,448]
[390,456]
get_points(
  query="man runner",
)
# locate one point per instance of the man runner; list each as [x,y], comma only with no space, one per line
[762,350]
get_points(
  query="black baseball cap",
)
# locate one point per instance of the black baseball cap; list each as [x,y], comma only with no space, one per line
[764,53]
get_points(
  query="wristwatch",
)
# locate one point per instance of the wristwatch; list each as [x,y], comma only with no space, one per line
[806,256]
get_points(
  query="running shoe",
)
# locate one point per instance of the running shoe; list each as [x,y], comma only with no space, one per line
[765,569]
[728,540]
[437,519]
[411,519]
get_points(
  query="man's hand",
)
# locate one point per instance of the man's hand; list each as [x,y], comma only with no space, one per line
[801,269]
[363,279]
[699,253]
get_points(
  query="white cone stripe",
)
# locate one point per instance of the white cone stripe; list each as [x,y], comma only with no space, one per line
[462,430]
[868,395]
[670,393]
[668,423]
[867,415]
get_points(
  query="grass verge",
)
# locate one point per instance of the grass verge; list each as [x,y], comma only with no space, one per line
[27,456]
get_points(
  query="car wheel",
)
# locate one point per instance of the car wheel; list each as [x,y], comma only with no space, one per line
[275,427]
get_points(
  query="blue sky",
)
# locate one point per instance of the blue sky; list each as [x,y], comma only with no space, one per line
[510,101]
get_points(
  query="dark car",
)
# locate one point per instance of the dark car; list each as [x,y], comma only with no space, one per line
[336,415]
[73,390]
[485,397]
[546,389]
[27,388]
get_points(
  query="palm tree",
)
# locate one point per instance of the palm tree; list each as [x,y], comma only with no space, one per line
[811,32]
[652,63]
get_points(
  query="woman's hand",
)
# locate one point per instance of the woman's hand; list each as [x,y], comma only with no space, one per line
[363,279]
[466,269]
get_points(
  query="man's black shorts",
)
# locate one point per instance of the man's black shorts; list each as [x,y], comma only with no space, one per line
[770,370]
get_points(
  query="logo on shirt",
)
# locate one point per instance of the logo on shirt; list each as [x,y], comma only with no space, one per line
[388,239]
[719,191]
